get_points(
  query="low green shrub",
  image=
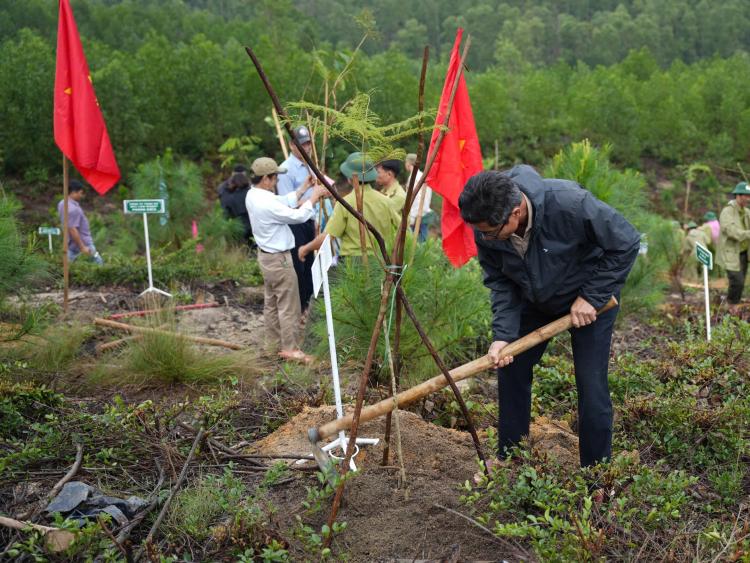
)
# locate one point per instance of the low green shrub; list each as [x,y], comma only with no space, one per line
[183,266]
[581,515]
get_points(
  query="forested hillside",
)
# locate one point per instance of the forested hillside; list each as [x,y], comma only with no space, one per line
[664,80]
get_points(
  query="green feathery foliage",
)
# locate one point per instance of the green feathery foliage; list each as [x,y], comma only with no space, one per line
[18,263]
[360,127]
[625,191]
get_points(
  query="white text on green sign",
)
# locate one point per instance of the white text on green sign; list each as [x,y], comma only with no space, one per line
[704,256]
[49,231]
[143,206]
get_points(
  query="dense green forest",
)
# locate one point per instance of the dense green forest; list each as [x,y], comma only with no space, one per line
[659,80]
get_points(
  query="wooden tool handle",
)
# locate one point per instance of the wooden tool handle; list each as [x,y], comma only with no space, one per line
[461,372]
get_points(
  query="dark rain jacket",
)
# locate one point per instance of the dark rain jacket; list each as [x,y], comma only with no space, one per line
[579,246]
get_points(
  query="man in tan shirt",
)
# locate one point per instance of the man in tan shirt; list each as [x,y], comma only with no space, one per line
[388,185]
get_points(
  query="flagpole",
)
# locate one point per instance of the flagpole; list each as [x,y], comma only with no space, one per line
[66,235]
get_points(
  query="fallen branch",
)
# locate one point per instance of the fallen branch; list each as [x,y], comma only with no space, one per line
[31,514]
[213,442]
[56,539]
[521,554]
[68,476]
[101,348]
[154,311]
[146,330]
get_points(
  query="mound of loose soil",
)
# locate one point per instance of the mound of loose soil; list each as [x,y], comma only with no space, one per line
[387,520]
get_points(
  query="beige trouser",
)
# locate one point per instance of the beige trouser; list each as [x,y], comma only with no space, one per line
[281,309]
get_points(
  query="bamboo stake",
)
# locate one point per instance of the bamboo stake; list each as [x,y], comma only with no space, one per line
[359,196]
[282,142]
[400,254]
[66,235]
[147,330]
[324,146]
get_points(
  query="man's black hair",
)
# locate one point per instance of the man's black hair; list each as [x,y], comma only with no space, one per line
[75,186]
[255,180]
[392,165]
[489,197]
[238,181]
[239,168]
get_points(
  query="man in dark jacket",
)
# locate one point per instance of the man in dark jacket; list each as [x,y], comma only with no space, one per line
[549,247]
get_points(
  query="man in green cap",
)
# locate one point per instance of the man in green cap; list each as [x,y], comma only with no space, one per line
[376,208]
[735,240]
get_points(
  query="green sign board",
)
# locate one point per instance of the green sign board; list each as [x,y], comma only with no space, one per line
[49,231]
[704,256]
[143,206]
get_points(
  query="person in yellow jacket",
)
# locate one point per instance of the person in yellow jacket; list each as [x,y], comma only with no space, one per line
[344,227]
[695,235]
[735,240]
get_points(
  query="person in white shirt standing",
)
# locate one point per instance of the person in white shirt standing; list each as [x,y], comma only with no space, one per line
[270,217]
[416,209]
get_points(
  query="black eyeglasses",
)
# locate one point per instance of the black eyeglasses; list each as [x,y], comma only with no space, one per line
[491,235]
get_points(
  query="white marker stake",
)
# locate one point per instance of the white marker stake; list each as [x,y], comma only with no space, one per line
[49,231]
[144,207]
[708,306]
[320,278]
[705,257]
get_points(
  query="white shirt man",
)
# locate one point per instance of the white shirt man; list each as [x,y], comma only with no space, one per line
[270,217]
[416,210]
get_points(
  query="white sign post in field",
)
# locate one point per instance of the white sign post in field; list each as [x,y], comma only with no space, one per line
[49,231]
[146,207]
[705,257]
[320,278]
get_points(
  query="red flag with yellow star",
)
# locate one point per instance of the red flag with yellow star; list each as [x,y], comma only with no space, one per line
[458,159]
[80,131]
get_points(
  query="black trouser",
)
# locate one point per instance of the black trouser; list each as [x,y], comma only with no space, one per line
[737,280]
[591,357]
[303,233]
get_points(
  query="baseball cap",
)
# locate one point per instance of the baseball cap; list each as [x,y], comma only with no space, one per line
[264,166]
[302,134]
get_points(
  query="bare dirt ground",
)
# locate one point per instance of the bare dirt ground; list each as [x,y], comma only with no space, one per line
[390,520]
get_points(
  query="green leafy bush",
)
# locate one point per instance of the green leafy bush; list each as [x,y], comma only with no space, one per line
[559,513]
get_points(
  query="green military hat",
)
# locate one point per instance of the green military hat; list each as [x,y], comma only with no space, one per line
[356,163]
[710,216]
[741,189]
[692,225]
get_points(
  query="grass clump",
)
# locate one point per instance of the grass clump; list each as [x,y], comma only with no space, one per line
[163,358]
